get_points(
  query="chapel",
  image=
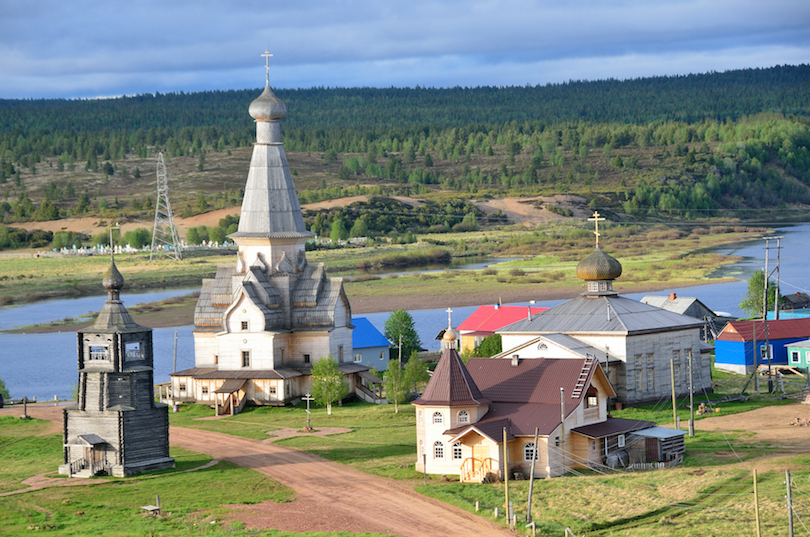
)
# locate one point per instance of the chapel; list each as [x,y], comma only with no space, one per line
[638,344]
[261,323]
[116,428]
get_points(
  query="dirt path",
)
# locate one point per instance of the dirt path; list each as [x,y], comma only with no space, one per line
[331,496]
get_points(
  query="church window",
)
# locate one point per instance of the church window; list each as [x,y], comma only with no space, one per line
[650,359]
[340,354]
[688,354]
[358,357]
[438,450]
[205,390]
[463,417]
[244,325]
[98,353]
[245,358]
[529,451]
[306,358]
[216,359]
[677,374]
[638,373]
[676,356]
[182,387]
[637,360]
[650,379]
[132,351]
[421,448]
[437,417]
[457,451]
[420,417]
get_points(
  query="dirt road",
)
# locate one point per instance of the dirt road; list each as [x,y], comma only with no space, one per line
[331,496]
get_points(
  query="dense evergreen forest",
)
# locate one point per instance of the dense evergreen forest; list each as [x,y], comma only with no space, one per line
[690,147]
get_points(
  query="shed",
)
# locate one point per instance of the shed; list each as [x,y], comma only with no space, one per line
[799,354]
[660,444]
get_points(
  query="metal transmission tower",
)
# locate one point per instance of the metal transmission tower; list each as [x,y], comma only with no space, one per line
[164,234]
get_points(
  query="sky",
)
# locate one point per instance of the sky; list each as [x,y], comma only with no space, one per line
[92,49]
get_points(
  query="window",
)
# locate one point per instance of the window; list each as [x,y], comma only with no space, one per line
[637,360]
[650,379]
[420,417]
[382,355]
[794,357]
[216,359]
[677,374]
[592,401]
[132,351]
[340,354]
[306,358]
[272,390]
[529,452]
[638,378]
[182,387]
[688,354]
[205,390]
[650,359]
[557,441]
[244,325]
[358,357]
[463,417]
[457,451]
[438,450]
[593,445]
[621,440]
[437,417]
[676,356]
[421,448]
[245,358]
[98,353]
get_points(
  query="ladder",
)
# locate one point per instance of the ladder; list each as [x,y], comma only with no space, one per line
[583,376]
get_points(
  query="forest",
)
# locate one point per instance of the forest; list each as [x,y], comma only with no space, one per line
[690,147]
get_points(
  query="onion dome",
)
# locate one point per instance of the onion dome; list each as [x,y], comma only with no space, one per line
[450,335]
[599,266]
[113,281]
[267,107]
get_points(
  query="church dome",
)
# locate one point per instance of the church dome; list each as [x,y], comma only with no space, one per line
[599,266]
[112,278]
[267,107]
[450,335]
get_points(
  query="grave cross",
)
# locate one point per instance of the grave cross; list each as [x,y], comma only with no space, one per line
[308,398]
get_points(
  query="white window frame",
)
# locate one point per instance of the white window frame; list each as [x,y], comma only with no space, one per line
[457,453]
[463,417]
[438,418]
[527,457]
[621,440]
[438,450]
[358,357]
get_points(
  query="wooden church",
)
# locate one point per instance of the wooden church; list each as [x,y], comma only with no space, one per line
[116,428]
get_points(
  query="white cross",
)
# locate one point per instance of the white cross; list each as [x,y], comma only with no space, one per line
[596,221]
[267,57]
[449,318]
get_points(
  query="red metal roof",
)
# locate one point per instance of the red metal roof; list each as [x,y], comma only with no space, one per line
[535,380]
[491,318]
[781,329]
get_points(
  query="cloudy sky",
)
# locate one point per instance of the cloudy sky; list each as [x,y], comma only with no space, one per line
[84,48]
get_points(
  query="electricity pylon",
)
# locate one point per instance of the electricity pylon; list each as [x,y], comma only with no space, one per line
[164,234]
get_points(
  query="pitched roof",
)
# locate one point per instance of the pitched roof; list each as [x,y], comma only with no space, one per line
[489,318]
[677,304]
[612,426]
[781,329]
[603,314]
[451,384]
[365,335]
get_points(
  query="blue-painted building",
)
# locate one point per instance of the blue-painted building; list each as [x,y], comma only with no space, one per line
[734,348]
[370,346]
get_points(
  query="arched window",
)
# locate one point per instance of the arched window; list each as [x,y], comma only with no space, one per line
[421,448]
[457,451]
[529,451]
[420,416]
[463,417]
[437,417]
[438,450]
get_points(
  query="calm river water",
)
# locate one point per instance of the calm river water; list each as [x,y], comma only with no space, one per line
[44,365]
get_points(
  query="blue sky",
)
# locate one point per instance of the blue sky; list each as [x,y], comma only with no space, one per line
[83,48]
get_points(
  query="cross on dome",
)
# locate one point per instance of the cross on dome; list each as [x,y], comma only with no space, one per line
[596,219]
[449,317]
[267,57]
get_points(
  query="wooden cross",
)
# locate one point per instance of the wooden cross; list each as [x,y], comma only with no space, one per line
[267,57]
[308,398]
[596,219]
[449,318]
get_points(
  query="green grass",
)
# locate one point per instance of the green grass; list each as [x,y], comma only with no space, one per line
[24,452]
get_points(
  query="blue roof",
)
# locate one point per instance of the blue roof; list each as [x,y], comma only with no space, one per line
[365,335]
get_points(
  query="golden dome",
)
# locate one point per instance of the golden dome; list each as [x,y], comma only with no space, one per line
[599,266]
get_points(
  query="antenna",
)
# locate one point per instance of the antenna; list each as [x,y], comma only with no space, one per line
[164,234]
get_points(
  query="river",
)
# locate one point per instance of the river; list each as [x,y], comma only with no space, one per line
[44,365]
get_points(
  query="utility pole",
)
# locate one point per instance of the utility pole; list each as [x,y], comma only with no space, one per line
[174,367]
[674,402]
[562,427]
[531,474]
[691,399]
[756,504]
[765,316]
[778,262]
[506,474]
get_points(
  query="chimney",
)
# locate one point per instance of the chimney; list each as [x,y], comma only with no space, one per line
[515,359]
[497,306]
[673,296]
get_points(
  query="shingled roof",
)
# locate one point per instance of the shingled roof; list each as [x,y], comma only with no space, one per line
[451,384]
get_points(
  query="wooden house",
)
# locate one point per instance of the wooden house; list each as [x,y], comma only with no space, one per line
[799,354]
[116,428]
[741,345]
[467,414]
[370,346]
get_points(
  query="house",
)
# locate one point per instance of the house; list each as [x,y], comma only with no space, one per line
[116,427]
[734,347]
[692,307]
[799,354]
[261,323]
[468,412]
[796,301]
[637,344]
[487,319]
[370,346]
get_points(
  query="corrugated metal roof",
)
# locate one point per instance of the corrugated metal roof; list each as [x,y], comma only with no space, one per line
[659,432]
[490,318]
[781,329]
[612,426]
[231,385]
[536,380]
[451,384]
[603,314]
[365,335]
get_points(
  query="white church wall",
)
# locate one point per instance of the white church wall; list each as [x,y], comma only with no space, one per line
[205,349]
[648,367]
